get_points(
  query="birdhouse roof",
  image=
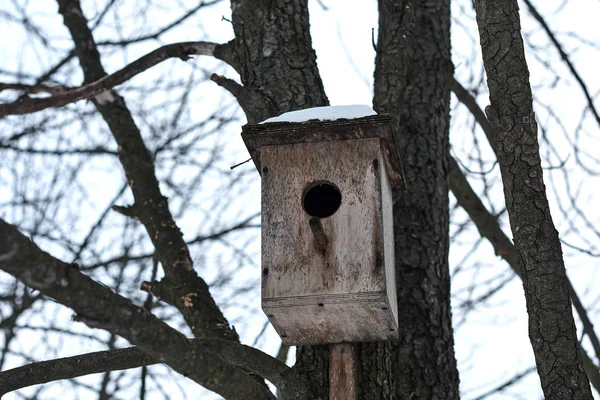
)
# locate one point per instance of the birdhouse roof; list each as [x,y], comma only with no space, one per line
[313,131]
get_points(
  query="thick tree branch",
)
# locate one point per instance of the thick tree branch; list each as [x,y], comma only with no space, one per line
[181,287]
[99,307]
[488,225]
[132,357]
[238,91]
[72,367]
[552,330]
[489,228]
[95,89]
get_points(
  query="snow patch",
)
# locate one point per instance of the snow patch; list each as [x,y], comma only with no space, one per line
[330,113]
[105,97]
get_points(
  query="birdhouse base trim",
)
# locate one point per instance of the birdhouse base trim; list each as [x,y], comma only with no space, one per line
[332,318]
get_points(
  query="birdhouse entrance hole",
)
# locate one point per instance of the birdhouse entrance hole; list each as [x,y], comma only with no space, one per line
[321,199]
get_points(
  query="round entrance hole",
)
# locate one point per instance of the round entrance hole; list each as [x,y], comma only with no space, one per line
[321,199]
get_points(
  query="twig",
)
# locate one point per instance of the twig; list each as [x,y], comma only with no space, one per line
[238,164]
[565,58]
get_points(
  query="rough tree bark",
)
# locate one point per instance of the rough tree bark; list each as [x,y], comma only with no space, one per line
[424,364]
[276,61]
[552,329]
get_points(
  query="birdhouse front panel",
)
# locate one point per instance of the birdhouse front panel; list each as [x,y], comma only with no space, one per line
[327,241]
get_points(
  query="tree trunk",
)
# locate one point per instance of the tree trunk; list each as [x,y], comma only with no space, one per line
[277,63]
[419,48]
[551,327]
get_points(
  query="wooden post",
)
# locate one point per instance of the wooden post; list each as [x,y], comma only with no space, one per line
[342,371]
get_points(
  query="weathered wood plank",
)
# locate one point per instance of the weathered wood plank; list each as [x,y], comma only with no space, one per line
[258,136]
[334,281]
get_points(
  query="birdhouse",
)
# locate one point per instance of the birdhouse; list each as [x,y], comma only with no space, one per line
[327,234]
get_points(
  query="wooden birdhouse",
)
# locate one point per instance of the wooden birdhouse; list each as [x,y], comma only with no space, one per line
[327,234]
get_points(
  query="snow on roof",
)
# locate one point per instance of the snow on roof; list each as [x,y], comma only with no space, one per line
[324,114]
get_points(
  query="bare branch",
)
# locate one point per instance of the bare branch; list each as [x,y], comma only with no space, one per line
[99,307]
[72,367]
[67,152]
[160,31]
[39,88]
[565,58]
[507,383]
[181,281]
[469,101]
[198,239]
[132,357]
[488,225]
[95,89]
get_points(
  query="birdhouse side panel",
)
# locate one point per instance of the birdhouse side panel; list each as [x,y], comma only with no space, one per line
[387,203]
[353,260]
